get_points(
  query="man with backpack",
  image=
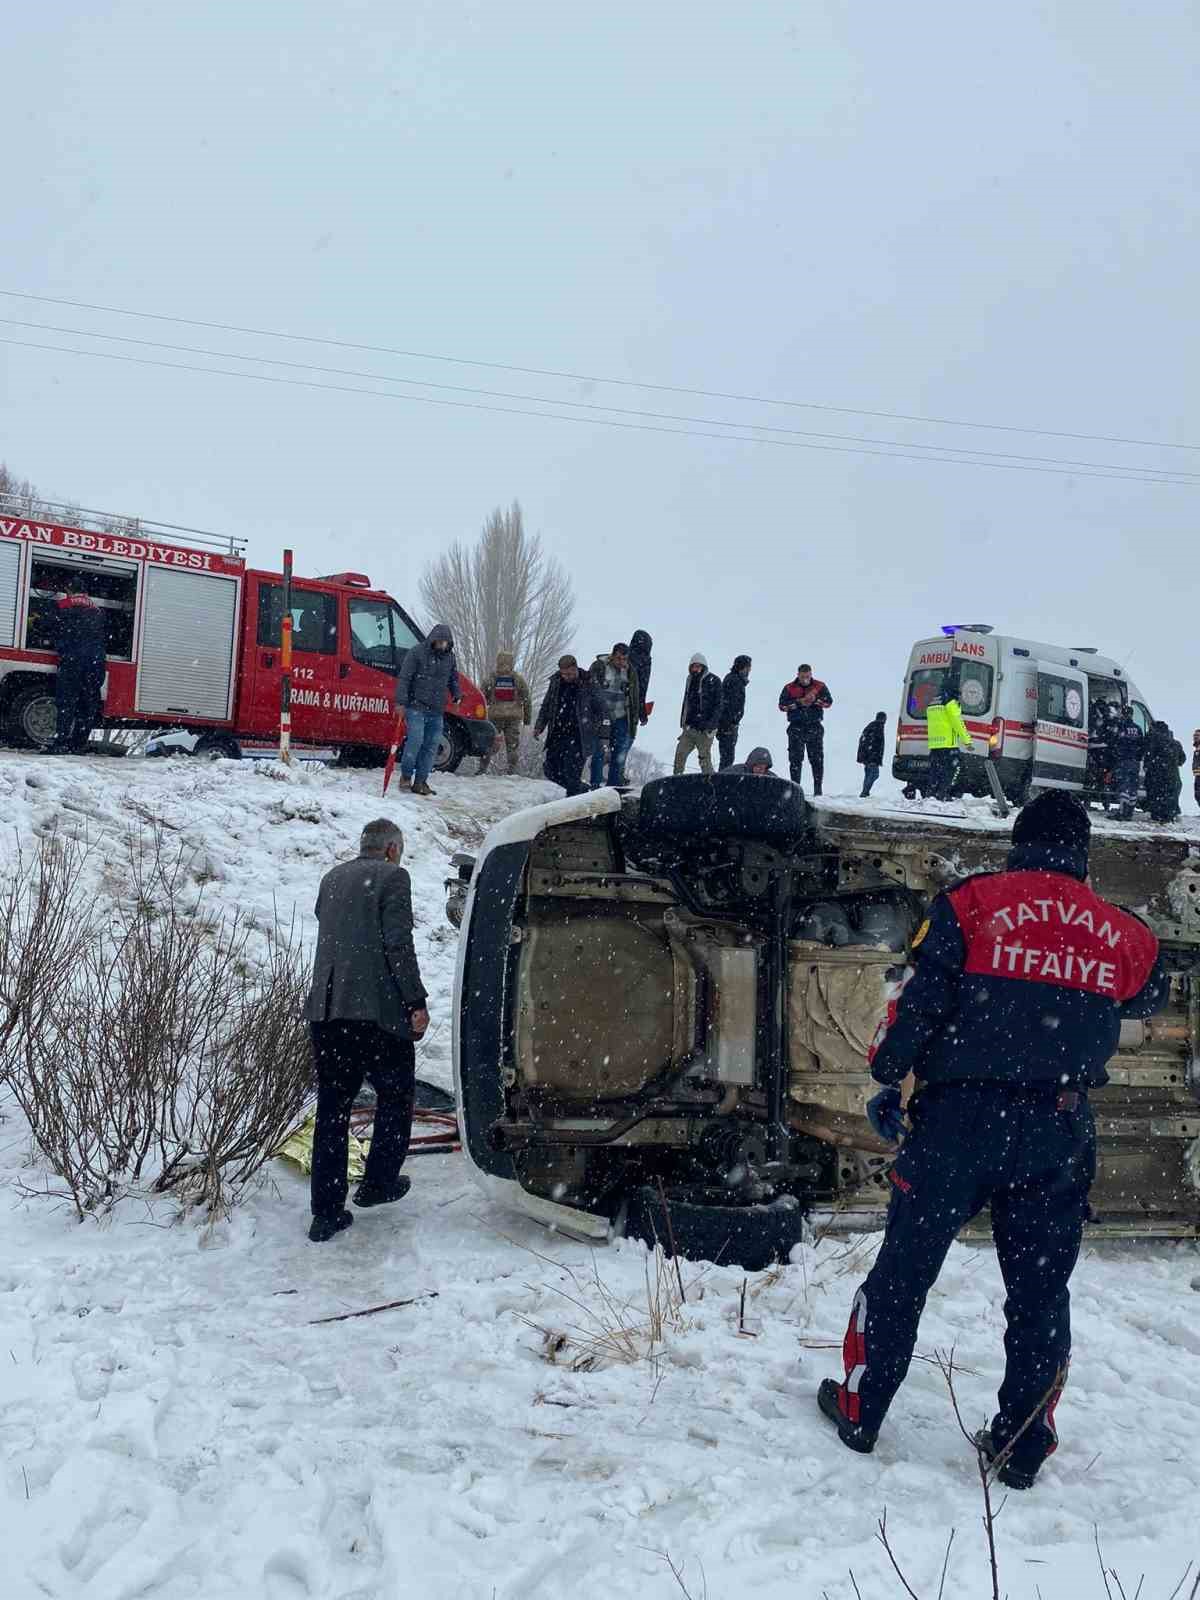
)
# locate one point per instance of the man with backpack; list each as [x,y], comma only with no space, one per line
[509,704]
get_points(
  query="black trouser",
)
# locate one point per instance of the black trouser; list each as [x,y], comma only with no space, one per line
[727,739]
[974,1144]
[348,1052]
[77,689]
[1197,791]
[564,764]
[943,773]
[811,742]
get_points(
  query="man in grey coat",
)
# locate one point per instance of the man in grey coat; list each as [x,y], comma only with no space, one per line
[365,1009]
[428,674]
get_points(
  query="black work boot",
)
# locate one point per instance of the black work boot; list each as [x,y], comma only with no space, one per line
[850,1433]
[1010,1475]
[324,1228]
[368,1195]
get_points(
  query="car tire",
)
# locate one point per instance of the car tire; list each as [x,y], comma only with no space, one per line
[452,747]
[738,806]
[695,1225]
[217,747]
[31,721]
[361,756]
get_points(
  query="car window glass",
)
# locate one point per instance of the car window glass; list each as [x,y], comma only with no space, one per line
[314,619]
[371,634]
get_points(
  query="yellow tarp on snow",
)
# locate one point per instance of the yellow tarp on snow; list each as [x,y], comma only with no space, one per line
[298,1147]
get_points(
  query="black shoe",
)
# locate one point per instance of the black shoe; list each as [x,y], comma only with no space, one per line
[1010,1475]
[324,1228]
[851,1435]
[365,1195]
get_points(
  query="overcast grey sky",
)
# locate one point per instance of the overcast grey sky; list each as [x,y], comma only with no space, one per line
[978,212]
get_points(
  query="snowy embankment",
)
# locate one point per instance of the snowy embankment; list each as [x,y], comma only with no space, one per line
[177,1425]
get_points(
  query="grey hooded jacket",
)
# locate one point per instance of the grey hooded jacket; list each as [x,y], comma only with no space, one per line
[366,968]
[427,675]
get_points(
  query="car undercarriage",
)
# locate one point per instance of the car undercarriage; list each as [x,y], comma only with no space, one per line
[665,1002]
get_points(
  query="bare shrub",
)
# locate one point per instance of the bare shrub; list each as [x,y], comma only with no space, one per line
[147,1047]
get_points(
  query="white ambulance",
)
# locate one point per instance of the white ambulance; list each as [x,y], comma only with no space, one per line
[1028,707]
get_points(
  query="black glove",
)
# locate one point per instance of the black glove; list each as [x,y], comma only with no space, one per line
[885,1116]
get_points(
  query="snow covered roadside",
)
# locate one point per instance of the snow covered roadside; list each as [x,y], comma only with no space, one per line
[977,814]
[174,1427]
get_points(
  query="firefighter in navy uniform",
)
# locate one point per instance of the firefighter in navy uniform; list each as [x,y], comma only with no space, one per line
[1007,1017]
[79,641]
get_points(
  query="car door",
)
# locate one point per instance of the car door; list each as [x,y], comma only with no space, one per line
[1060,743]
[314,660]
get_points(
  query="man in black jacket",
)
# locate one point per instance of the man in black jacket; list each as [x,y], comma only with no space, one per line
[1012,1008]
[806,699]
[733,709]
[870,752]
[1127,743]
[699,715]
[79,640]
[571,715]
[640,646]
[365,1009]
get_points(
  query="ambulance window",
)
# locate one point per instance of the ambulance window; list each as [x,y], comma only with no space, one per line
[923,687]
[314,619]
[113,590]
[1141,716]
[973,686]
[1060,700]
[371,634]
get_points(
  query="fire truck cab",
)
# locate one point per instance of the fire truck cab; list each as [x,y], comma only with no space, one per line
[1029,707]
[193,641]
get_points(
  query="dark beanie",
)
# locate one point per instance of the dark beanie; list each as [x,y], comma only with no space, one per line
[1054,818]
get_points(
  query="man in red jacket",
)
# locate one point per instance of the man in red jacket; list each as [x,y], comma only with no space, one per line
[806,700]
[1007,1017]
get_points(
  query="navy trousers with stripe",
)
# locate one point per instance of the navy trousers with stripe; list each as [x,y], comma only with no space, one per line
[973,1145]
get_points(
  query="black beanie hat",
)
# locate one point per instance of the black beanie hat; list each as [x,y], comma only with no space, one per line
[1054,818]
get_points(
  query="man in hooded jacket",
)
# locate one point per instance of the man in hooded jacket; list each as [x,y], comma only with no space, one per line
[757,764]
[733,709]
[699,715]
[509,703]
[640,646]
[428,674]
[1012,1007]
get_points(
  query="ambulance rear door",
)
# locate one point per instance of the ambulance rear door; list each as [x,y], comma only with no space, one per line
[1060,742]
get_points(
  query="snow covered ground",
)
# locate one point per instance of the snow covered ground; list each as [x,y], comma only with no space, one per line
[175,1424]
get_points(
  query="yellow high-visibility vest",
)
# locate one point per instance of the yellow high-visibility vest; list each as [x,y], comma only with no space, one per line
[945,727]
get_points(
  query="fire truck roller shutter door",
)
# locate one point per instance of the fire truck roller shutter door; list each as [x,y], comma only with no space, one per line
[188,644]
[10,571]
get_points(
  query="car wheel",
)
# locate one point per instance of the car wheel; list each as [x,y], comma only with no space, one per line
[32,720]
[218,747]
[727,807]
[451,748]
[702,1224]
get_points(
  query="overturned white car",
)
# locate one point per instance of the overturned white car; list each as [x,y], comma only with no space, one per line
[664,1003]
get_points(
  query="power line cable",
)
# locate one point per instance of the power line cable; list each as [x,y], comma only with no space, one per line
[602,422]
[583,377]
[584,405]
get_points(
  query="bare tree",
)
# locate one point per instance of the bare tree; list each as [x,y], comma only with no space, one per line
[502,593]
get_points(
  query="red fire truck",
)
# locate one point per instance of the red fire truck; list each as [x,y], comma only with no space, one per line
[193,641]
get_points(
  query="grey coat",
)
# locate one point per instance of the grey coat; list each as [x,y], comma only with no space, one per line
[427,676]
[366,968]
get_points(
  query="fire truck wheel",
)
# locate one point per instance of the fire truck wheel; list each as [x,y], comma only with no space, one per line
[31,721]
[452,747]
[218,746]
